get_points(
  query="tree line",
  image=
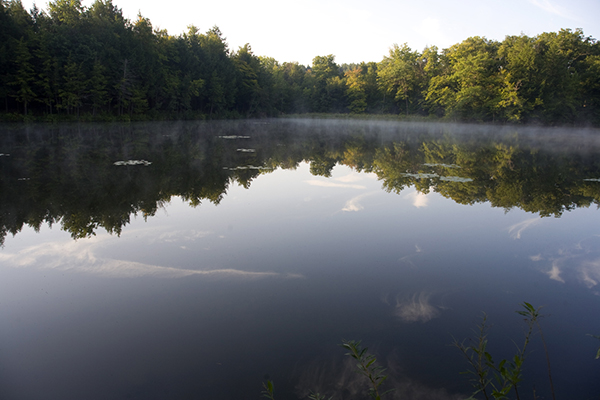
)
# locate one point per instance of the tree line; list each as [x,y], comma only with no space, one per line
[76,62]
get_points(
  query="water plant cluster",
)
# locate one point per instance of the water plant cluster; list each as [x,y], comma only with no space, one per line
[498,380]
[75,62]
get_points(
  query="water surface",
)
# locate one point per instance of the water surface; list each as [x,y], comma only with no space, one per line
[196,260]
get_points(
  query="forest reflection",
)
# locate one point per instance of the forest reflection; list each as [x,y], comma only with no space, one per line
[86,177]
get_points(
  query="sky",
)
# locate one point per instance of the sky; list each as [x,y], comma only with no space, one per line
[355,31]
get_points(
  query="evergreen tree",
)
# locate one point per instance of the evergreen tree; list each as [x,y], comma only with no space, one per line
[73,87]
[98,87]
[24,76]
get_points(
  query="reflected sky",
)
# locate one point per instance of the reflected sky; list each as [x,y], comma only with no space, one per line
[80,256]
[270,280]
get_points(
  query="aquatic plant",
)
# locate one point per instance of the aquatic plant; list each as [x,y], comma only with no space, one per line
[492,380]
[598,352]
[367,366]
[318,396]
[496,380]
[269,388]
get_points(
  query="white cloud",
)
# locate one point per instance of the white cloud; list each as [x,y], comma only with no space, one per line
[552,8]
[516,229]
[418,199]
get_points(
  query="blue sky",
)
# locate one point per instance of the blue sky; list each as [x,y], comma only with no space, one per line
[356,31]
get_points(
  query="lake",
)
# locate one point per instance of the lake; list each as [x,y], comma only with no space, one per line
[197,260]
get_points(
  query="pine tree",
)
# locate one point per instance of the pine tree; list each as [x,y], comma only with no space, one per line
[24,76]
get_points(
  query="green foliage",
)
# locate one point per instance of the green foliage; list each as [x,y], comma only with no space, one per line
[401,76]
[249,76]
[24,76]
[268,389]
[469,89]
[492,380]
[367,366]
[92,62]
[92,194]
[72,91]
[66,11]
[355,91]
[598,352]
[98,87]
[324,86]
[317,396]
[496,379]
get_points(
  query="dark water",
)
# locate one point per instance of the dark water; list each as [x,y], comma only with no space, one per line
[214,256]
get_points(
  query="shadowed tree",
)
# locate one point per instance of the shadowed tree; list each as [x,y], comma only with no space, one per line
[23,79]
[325,87]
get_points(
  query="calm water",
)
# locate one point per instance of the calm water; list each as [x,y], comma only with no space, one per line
[197,260]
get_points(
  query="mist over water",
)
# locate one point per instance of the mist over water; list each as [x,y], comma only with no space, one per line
[159,261]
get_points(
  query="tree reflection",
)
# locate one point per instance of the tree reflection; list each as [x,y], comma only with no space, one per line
[66,174]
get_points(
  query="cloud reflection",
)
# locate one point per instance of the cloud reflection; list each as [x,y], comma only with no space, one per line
[578,262]
[179,236]
[331,377]
[316,182]
[537,257]
[346,181]
[516,229]
[555,272]
[590,273]
[355,177]
[418,199]
[81,256]
[354,203]
[416,309]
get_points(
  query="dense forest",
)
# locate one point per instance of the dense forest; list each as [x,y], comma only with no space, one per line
[91,63]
